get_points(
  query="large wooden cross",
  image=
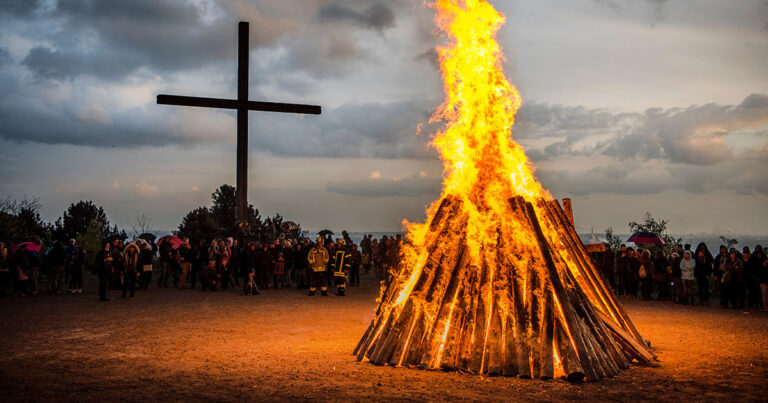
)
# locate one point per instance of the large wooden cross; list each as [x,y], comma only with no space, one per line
[242,105]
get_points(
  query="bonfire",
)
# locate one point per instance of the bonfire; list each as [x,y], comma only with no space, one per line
[496,280]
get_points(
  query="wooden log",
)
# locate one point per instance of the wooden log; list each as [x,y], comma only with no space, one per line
[568,208]
[381,328]
[447,311]
[399,326]
[495,350]
[481,320]
[572,321]
[468,331]
[363,339]
[603,336]
[535,291]
[570,361]
[637,350]
[547,338]
[403,342]
[618,309]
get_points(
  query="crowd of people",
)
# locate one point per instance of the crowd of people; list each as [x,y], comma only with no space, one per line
[690,276]
[253,263]
[683,275]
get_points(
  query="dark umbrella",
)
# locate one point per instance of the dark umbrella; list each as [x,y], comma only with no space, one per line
[147,237]
[647,238]
[325,232]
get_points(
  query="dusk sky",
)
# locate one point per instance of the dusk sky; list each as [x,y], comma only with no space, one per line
[628,107]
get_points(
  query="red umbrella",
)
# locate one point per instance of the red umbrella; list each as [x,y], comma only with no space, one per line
[31,246]
[647,238]
[173,239]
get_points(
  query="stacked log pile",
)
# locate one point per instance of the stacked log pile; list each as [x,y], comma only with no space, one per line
[532,306]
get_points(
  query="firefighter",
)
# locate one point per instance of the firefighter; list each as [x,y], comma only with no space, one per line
[341,263]
[318,259]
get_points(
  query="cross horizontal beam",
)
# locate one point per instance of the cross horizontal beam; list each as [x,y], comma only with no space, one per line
[236,104]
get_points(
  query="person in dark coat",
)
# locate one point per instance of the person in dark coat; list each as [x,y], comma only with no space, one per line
[201,261]
[633,275]
[762,274]
[210,277]
[147,266]
[622,271]
[719,268]
[104,269]
[5,268]
[77,267]
[645,274]
[57,260]
[356,262]
[131,267]
[732,279]
[265,267]
[752,280]
[660,265]
[703,272]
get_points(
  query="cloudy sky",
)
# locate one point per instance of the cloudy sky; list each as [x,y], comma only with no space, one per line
[629,106]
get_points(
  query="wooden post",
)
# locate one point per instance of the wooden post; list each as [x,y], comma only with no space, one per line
[568,208]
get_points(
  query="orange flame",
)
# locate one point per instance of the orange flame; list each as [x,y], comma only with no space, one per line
[483,165]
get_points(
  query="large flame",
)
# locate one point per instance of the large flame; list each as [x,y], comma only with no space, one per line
[483,165]
[494,263]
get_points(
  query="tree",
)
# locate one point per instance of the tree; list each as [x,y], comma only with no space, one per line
[614,242]
[78,218]
[20,221]
[91,239]
[198,224]
[223,210]
[649,224]
[142,225]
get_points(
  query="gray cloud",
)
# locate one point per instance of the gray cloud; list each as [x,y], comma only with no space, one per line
[21,8]
[378,16]
[374,186]
[693,135]
[112,40]
[5,57]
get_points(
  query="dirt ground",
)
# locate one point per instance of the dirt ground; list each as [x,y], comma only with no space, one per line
[169,344]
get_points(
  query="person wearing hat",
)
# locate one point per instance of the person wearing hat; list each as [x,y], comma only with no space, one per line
[318,259]
[342,264]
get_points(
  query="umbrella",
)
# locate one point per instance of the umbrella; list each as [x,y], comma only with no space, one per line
[173,239]
[648,238]
[141,243]
[147,237]
[325,232]
[31,246]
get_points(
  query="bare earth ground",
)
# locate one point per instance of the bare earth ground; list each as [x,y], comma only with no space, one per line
[185,345]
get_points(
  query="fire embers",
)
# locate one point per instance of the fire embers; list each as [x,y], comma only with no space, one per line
[531,306]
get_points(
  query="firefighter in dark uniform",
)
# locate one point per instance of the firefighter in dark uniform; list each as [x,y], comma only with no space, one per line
[342,264]
[318,259]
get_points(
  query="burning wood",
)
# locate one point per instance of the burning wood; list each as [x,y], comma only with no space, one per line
[496,281]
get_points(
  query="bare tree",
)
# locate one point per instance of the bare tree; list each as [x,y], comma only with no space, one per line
[143,224]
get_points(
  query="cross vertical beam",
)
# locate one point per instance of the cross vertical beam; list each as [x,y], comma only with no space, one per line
[241,197]
[242,105]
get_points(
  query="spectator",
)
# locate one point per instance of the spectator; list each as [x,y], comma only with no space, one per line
[703,272]
[77,267]
[687,266]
